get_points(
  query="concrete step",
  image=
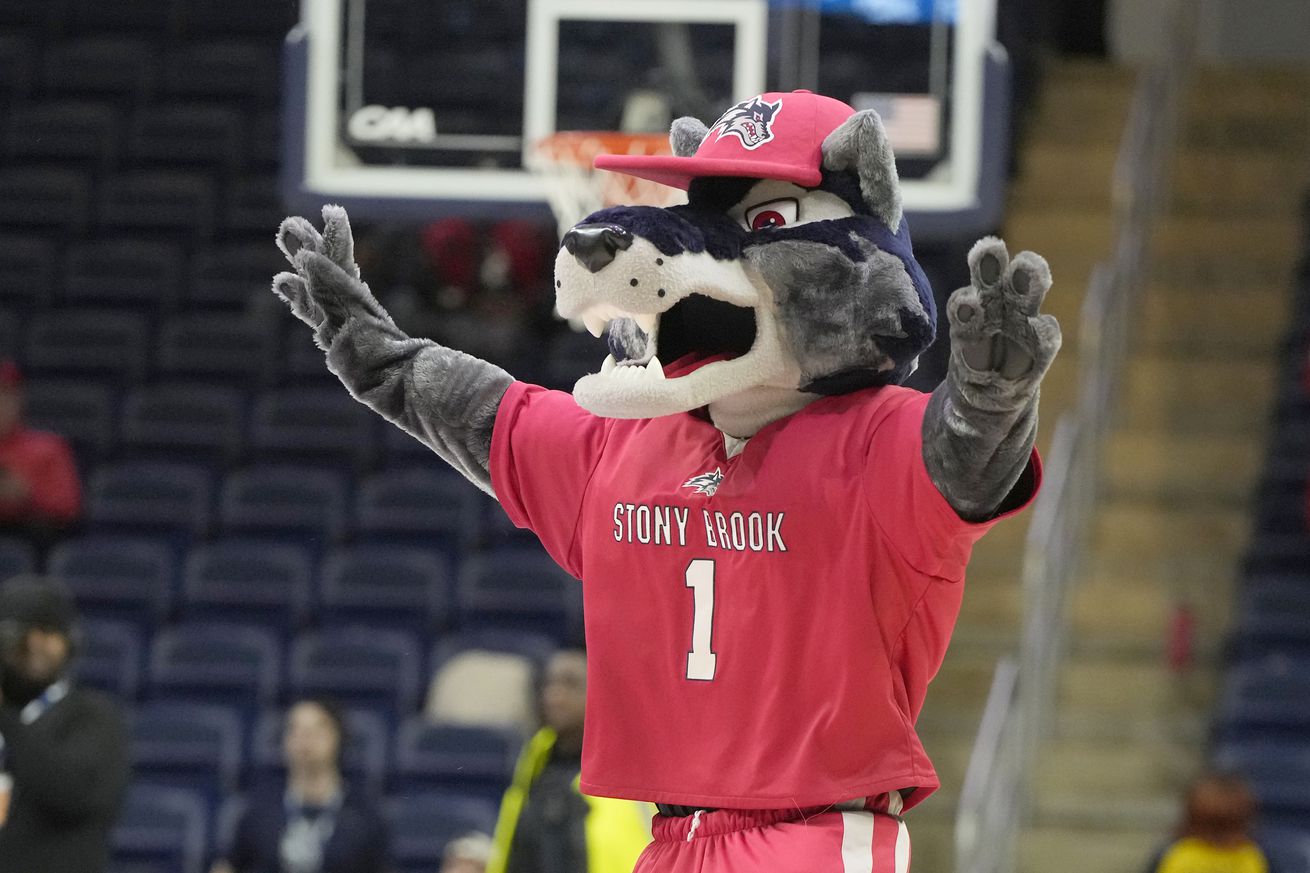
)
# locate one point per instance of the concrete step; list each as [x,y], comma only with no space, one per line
[1202,467]
[1045,849]
[1232,182]
[1128,689]
[1201,321]
[1197,395]
[1134,612]
[1088,780]
[1249,238]
[1083,103]
[1060,175]
[932,842]
[1139,529]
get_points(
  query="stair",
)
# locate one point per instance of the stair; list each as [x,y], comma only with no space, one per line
[1178,470]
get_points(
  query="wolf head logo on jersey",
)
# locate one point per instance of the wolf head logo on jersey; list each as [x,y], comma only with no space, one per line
[751,121]
[706,483]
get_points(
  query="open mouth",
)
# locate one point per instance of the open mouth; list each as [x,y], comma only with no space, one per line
[695,332]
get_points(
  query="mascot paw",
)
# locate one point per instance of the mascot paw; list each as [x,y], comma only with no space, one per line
[325,290]
[996,325]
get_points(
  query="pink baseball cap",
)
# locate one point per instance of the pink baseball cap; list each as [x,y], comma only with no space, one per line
[772,136]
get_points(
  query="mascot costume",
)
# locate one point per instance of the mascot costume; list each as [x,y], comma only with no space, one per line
[770,531]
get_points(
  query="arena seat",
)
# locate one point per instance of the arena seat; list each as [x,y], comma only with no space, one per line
[168,203]
[162,826]
[251,207]
[357,665]
[235,71]
[248,581]
[103,343]
[235,276]
[18,55]
[158,496]
[364,755]
[519,587]
[222,346]
[82,412]
[181,744]
[393,586]
[123,272]
[1288,848]
[233,664]
[102,66]
[475,759]
[422,823]
[312,424]
[159,18]
[79,132]
[284,500]
[117,577]
[185,134]
[109,658]
[27,273]
[184,421]
[52,198]
[17,557]
[420,505]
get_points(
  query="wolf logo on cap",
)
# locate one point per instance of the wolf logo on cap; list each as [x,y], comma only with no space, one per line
[750,121]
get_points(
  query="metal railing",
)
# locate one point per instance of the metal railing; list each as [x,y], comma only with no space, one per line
[995,799]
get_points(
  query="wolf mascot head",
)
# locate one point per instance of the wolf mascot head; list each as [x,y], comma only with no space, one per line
[788,274]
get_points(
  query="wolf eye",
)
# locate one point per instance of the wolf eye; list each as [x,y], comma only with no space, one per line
[774,214]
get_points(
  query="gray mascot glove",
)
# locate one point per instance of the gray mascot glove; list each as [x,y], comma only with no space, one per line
[981,423]
[444,398]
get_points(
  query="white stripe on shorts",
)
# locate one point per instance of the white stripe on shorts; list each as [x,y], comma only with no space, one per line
[857,842]
[902,848]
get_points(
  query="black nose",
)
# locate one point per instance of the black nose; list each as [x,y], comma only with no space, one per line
[594,245]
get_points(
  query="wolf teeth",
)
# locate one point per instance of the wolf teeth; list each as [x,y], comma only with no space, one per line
[609,364]
[652,369]
[595,322]
[655,369]
[646,321]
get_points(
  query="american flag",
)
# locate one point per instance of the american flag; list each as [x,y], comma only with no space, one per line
[913,121]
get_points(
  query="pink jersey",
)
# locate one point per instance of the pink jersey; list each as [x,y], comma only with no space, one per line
[761,629]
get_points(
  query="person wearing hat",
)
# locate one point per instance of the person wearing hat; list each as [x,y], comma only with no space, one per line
[63,749]
[40,492]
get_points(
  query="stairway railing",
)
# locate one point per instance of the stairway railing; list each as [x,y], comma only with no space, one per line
[996,798]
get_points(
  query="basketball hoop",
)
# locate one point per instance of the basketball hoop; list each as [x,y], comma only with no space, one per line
[576,189]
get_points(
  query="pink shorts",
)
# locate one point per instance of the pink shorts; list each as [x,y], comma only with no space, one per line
[778,841]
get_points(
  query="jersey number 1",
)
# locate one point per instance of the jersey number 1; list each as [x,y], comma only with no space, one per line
[701,659]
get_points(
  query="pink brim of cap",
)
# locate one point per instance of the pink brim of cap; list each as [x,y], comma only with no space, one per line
[678,172]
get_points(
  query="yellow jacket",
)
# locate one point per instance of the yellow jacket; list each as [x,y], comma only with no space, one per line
[1191,855]
[616,830]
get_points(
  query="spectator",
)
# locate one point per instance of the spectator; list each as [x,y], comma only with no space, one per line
[313,824]
[64,748]
[546,825]
[39,488]
[467,854]
[1215,835]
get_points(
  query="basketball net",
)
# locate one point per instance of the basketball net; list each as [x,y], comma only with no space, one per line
[576,189]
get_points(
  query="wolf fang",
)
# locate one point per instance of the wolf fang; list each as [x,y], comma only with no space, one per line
[637,522]
[740,532]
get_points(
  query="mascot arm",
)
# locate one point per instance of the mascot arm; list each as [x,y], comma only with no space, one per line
[981,422]
[444,398]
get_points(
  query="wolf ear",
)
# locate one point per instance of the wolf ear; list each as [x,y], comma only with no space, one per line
[860,144]
[686,136]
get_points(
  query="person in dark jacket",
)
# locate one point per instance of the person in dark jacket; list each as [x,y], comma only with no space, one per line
[64,753]
[313,824]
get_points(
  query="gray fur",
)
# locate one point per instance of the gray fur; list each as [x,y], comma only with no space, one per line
[861,145]
[981,423]
[833,310]
[444,398]
[686,135]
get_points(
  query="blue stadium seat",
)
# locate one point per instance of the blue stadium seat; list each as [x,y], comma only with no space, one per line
[150,496]
[1288,848]
[1271,554]
[422,824]
[359,666]
[251,206]
[69,132]
[102,343]
[312,424]
[237,71]
[521,588]
[224,346]
[101,66]
[227,18]
[27,273]
[45,197]
[176,134]
[80,412]
[196,746]
[247,580]
[284,500]
[158,202]
[236,276]
[427,505]
[109,657]
[429,756]
[121,272]
[116,577]
[303,362]
[1265,696]
[1277,769]
[17,557]
[394,586]
[156,17]
[18,53]
[264,144]
[364,756]
[233,664]
[161,826]
[183,420]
